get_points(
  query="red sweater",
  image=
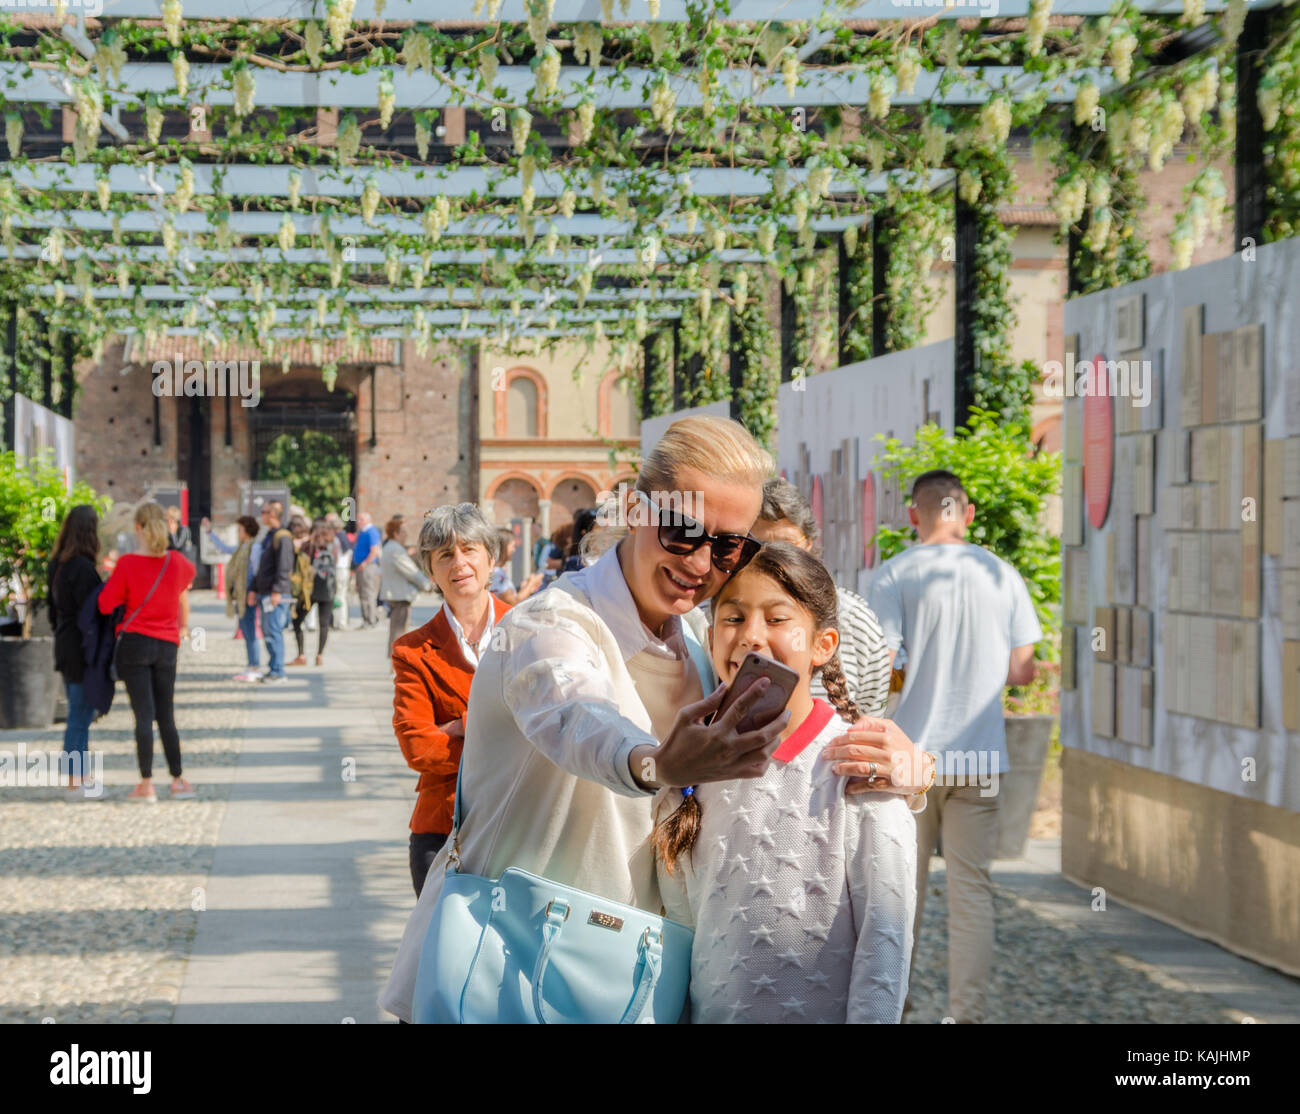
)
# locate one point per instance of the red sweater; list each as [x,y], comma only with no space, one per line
[130,583]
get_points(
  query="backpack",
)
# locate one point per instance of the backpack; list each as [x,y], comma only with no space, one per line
[324,580]
[300,580]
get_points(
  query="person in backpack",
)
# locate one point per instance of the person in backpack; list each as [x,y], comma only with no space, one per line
[318,560]
[153,585]
[271,588]
[300,583]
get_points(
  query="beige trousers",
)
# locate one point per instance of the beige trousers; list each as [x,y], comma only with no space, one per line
[969,823]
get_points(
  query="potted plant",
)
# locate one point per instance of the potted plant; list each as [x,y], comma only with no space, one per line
[34,500]
[1010,483]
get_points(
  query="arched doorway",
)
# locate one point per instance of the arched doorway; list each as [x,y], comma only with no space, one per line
[571,495]
[306,436]
[514,498]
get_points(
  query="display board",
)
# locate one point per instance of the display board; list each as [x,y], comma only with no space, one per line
[827,444]
[1181,566]
[39,430]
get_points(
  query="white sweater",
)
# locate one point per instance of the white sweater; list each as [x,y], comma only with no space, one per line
[557,704]
[801,898]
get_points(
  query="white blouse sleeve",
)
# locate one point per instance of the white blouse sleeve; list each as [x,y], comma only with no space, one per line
[560,694]
[880,860]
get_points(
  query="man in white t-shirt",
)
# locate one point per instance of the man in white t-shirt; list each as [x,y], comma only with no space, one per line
[968,626]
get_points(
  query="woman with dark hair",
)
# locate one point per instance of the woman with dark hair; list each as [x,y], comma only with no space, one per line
[583,521]
[73,578]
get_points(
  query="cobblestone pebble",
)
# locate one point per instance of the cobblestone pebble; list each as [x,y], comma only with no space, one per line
[97,896]
[1047,971]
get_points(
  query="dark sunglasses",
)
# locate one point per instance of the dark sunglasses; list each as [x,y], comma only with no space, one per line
[679,534]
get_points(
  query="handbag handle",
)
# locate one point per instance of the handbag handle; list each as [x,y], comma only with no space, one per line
[650,960]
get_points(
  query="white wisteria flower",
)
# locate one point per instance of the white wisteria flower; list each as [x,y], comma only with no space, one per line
[171,13]
[521,123]
[338,20]
[287,232]
[181,72]
[245,86]
[313,43]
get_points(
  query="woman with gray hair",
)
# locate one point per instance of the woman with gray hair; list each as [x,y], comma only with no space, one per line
[435,664]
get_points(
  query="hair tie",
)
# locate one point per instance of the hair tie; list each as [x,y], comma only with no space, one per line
[688,791]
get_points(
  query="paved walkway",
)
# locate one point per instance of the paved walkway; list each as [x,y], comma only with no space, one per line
[281,893]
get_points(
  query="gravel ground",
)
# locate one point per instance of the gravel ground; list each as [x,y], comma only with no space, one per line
[1047,971]
[98,897]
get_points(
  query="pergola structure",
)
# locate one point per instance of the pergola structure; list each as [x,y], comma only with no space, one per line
[247,170]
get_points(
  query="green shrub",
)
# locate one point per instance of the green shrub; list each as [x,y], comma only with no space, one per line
[1009,484]
[33,504]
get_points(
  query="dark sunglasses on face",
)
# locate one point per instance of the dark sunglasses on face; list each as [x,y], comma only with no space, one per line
[679,535]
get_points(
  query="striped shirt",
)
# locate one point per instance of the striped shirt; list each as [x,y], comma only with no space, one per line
[864,656]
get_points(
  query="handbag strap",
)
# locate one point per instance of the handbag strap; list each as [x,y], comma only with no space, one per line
[650,962]
[148,595]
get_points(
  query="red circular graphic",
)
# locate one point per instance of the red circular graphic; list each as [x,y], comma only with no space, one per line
[816,500]
[868,520]
[1098,443]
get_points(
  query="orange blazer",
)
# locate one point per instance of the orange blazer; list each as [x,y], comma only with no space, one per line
[432,687]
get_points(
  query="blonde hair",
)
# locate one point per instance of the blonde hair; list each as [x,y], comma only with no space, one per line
[718,447]
[152,520]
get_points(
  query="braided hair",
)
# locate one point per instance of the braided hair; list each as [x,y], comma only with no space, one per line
[805,580]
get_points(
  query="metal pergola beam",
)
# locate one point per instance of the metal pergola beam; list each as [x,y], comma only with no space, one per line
[670,11]
[399,317]
[156,253]
[252,180]
[210,84]
[313,224]
[296,335]
[427,295]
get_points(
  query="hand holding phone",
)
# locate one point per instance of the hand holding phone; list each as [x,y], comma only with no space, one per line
[782,680]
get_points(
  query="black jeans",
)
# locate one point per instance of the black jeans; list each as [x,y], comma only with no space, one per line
[424,849]
[325,615]
[147,666]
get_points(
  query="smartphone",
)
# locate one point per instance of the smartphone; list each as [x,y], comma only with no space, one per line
[771,703]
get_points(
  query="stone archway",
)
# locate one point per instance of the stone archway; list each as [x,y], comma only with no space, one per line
[570,495]
[514,497]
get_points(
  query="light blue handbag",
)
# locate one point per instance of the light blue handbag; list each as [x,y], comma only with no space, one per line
[521,949]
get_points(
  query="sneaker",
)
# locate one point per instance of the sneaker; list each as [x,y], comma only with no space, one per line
[182,790]
[143,792]
[248,677]
[275,679]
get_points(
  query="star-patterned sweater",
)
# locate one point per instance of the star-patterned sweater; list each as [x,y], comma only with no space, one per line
[801,899]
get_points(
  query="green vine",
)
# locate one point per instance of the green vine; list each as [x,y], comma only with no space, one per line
[757,392]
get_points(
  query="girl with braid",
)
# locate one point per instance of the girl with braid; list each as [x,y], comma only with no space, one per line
[801,897]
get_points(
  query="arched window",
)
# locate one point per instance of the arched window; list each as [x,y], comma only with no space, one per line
[521,407]
[619,408]
[520,404]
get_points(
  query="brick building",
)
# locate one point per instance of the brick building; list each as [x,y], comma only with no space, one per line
[523,437]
